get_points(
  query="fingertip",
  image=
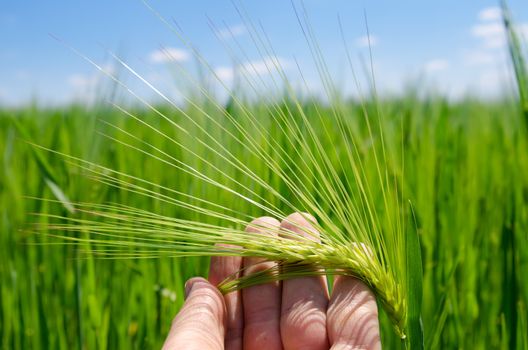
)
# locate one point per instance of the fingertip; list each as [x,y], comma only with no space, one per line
[201,293]
[192,282]
[309,217]
[203,287]
[201,321]
[352,316]
[300,223]
[264,224]
[302,217]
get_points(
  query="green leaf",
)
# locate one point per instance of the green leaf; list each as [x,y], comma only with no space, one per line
[45,169]
[415,339]
[515,46]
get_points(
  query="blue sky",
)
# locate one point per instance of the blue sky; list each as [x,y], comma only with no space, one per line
[456,47]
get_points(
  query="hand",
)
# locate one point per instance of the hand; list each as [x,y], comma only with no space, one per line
[294,314]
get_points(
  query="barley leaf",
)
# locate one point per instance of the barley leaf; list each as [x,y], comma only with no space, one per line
[414,288]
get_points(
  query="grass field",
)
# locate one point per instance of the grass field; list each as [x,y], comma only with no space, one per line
[466,166]
[462,165]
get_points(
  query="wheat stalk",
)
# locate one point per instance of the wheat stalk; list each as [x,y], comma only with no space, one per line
[358,238]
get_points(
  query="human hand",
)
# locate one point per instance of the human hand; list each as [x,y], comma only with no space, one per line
[293,314]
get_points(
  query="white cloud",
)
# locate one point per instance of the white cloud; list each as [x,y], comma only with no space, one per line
[89,81]
[489,79]
[484,30]
[493,13]
[491,34]
[85,85]
[266,66]
[82,81]
[155,77]
[168,54]
[232,32]
[436,65]
[522,29]
[364,41]
[491,38]
[481,57]
[108,69]
[490,29]
[225,73]
[492,82]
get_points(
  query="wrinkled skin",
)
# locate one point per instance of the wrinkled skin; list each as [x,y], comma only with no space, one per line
[293,314]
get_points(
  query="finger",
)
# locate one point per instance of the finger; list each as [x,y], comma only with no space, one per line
[352,316]
[262,302]
[220,268]
[200,322]
[304,299]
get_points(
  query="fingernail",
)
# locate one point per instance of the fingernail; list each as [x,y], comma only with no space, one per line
[188,287]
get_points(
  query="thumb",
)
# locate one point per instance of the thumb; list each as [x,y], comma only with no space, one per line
[200,322]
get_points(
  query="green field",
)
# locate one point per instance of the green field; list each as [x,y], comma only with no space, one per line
[462,166]
[466,166]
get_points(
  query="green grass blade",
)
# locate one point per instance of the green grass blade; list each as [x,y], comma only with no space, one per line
[515,48]
[45,169]
[414,288]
